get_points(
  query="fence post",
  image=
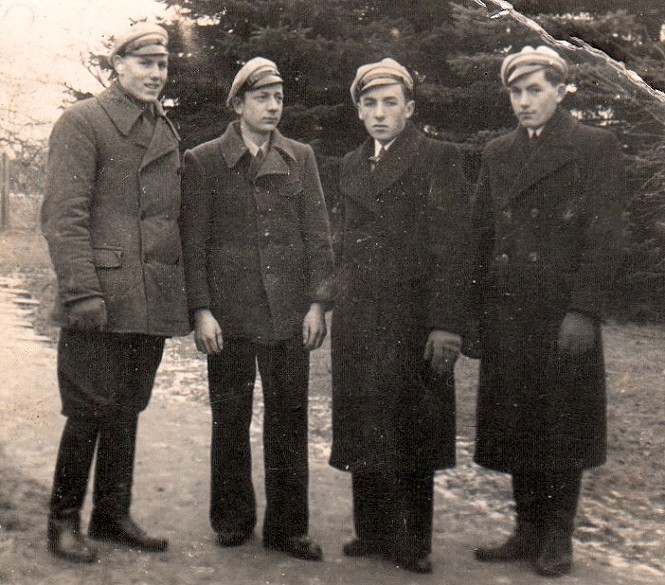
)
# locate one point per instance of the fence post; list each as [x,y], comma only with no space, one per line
[4,192]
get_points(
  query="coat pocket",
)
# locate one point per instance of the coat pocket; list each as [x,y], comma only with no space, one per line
[107,257]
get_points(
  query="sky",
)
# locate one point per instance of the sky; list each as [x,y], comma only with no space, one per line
[42,46]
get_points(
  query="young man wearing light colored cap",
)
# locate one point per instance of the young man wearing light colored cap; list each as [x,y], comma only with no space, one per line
[398,320]
[110,216]
[258,256]
[548,231]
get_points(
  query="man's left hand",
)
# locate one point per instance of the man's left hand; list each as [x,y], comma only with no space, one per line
[576,334]
[314,327]
[442,350]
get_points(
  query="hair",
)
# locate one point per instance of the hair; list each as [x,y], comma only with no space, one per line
[554,76]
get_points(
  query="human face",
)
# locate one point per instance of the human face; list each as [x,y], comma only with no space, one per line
[142,76]
[534,99]
[260,110]
[385,110]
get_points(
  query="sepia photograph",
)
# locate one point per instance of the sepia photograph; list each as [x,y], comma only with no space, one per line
[332,292]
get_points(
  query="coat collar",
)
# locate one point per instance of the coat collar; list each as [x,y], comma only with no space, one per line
[521,165]
[233,149]
[363,184]
[125,113]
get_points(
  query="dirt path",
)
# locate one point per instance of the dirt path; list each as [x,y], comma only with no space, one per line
[171,496]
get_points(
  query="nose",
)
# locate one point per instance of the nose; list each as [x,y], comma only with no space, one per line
[525,100]
[379,112]
[273,104]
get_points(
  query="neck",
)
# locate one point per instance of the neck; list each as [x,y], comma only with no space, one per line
[250,135]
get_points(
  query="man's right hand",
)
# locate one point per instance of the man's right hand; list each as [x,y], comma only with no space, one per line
[87,314]
[207,332]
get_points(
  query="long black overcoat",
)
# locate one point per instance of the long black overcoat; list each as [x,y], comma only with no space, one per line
[401,274]
[548,227]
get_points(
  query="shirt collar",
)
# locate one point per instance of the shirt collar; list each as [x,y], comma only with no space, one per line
[252,146]
[378,146]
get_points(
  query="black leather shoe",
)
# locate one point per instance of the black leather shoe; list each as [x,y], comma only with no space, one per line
[556,558]
[520,546]
[362,548]
[299,547]
[66,541]
[228,538]
[415,565]
[123,530]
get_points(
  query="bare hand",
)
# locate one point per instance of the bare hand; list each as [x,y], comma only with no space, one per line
[314,327]
[207,333]
[442,350]
[576,334]
[87,314]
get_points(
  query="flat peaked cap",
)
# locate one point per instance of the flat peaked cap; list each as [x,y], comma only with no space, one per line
[385,72]
[530,60]
[141,39]
[257,72]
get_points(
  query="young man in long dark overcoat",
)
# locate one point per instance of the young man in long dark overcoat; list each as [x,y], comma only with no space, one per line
[547,219]
[110,216]
[399,316]
[258,257]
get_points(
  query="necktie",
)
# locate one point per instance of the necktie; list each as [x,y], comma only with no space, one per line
[374,160]
[255,164]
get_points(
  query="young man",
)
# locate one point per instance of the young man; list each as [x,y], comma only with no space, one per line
[110,216]
[257,254]
[547,219]
[398,319]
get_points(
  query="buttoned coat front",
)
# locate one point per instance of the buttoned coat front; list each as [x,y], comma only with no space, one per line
[401,274]
[257,249]
[110,215]
[548,227]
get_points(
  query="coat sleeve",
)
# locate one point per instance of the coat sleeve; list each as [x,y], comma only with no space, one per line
[195,220]
[66,211]
[448,220]
[603,182]
[482,242]
[315,230]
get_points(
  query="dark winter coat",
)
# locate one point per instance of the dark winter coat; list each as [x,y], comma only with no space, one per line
[401,274]
[257,251]
[547,219]
[110,215]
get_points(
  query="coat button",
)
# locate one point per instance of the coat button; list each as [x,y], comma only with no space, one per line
[534,256]
[507,214]
[503,258]
[535,212]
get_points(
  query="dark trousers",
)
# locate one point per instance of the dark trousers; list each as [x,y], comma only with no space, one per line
[284,369]
[102,413]
[547,499]
[394,513]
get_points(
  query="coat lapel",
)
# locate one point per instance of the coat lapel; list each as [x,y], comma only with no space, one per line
[520,165]
[355,181]
[233,149]
[162,143]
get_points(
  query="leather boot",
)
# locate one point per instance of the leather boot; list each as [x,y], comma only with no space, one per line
[522,545]
[112,495]
[123,530]
[66,541]
[556,557]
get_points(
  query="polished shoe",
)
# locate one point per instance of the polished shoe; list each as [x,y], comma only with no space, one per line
[522,545]
[299,547]
[229,538]
[123,530]
[556,558]
[363,548]
[415,565]
[66,541]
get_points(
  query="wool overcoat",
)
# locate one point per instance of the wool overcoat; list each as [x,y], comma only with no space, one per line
[402,270]
[257,249]
[110,215]
[548,239]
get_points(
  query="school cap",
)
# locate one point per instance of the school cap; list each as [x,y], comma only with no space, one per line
[141,39]
[385,72]
[256,73]
[530,60]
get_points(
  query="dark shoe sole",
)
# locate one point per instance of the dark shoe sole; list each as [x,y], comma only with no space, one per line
[303,550]
[72,558]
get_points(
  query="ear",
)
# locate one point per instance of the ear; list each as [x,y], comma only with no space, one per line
[409,109]
[237,103]
[560,92]
[118,64]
